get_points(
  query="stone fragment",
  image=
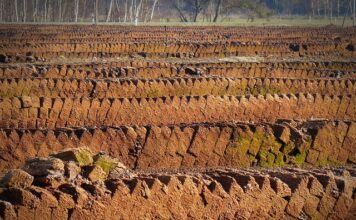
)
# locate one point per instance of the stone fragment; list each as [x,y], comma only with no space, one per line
[19,196]
[121,172]
[82,156]
[16,178]
[71,170]
[44,166]
[96,173]
[284,134]
[107,163]
[7,211]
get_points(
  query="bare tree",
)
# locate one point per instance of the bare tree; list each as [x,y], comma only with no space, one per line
[125,18]
[34,10]
[110,10]
[59,10]
[96,6]
[117,7]
[24,10]
[1,10]
[354,15]
[331,7]
[153,9]
[217,11]
[145,10]
[177,5]
[16,11]
[137,12]
[45,11]
[131,9]
[197,7]
[76,10]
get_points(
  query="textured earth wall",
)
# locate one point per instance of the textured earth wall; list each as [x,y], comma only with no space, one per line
[110,122]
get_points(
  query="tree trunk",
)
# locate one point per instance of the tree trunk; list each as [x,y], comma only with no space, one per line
[16,12]
[354,16]
[131,10]
[117,8]
[138,8]
[24,10]
[318,9]
[217,11]
[145,10]
[331,9]
[338,8]
[76,10]
[196,10]
[153,9]
[109,13]
[125,18]
[1,13]
[96,11]
[45,11]
[34,10]
[183,18]
[59,10]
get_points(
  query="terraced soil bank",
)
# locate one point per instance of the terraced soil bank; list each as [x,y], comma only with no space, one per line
[111,122]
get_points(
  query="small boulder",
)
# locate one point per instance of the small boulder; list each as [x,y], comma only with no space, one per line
[285,135]
[121,173]
[44,166]
[107,163]
[71,170]
[112,167]
[82,156]
[16,178]
[96,173]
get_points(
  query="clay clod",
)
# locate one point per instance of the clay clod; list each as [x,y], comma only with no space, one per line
[16,178]
[96,173]
[44,166]
[82,156]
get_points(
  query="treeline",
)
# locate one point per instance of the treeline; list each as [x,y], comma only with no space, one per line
[134,11]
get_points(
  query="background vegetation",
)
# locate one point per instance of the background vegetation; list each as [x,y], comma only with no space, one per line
[262,12]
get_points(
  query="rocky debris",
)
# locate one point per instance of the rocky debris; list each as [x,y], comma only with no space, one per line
[121,172]
[82,156]
[16,178]
[76,166]
[217,193]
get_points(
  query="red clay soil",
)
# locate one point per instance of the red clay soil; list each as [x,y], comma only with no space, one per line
[109,122]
